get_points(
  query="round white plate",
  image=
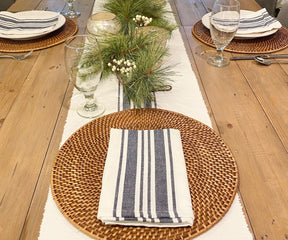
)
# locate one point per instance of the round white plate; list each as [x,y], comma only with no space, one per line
[206,23]
[60,23]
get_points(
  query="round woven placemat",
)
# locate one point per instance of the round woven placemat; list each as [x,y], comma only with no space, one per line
[69,29]
[77,174]
[272,43]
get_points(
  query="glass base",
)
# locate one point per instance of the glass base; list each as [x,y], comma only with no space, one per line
[71,14]
[93,113]
[218,61]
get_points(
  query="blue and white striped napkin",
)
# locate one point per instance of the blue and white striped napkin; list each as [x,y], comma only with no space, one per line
[145,181]
[257,22]
[28,22]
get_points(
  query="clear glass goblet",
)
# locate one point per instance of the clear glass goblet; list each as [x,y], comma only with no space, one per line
[84,67]
[71,12]
[224,21]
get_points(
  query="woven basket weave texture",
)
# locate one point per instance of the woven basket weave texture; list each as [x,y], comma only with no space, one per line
[77,174]
[268,44]
[69,29]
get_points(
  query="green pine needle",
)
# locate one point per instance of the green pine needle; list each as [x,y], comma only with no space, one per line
[145,50]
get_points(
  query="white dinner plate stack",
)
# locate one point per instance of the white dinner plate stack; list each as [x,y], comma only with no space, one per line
[29,24]
[252,24]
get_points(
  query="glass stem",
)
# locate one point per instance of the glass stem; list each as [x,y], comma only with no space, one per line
[219,54]
[70,6]
[90,104]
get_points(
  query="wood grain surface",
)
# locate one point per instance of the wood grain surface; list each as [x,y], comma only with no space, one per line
[247,103]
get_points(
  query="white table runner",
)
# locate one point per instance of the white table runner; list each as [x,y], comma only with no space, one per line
[184,98]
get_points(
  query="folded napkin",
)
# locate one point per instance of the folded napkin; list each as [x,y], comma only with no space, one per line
[34,23]
[257,22]
[144,181]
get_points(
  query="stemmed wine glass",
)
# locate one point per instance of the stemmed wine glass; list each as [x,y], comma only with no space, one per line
[84,67]
[224,21]
[71,12]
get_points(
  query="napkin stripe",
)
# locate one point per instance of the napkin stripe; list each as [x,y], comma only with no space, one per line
[142,218]
[27,20]
[259,21]
[118,177]
[263,20]
[119,96]
[172,177]
[7,23]
[149,177]
[145,157]
[130,176]
[124,103]
[143,188]
[161,178]
[152,104]
[155,100]
[140,179]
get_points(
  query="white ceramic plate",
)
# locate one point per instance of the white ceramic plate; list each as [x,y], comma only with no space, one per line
[206,23]
[60,23]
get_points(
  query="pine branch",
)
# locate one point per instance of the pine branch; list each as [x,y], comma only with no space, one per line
[135,55]
[126,10]
[148,77]
[122,46]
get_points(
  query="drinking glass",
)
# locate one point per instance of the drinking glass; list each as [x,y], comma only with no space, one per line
[71,12]
[84,67]
[224,21]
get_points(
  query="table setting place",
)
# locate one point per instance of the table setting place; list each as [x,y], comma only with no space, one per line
[27,31]
[236,30]
[138,157]
[168,187]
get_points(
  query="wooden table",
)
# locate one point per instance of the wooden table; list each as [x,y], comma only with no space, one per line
[247,102]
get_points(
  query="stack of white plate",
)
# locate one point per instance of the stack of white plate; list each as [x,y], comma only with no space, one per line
[252,24]
[26,33]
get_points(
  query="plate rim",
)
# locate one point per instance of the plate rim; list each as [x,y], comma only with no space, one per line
[61,21]
[241,36]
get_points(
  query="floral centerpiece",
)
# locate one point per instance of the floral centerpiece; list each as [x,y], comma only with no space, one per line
[135,54]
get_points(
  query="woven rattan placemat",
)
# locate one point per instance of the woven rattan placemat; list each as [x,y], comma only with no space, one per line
[69,29]
[272,43]
[77,174]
